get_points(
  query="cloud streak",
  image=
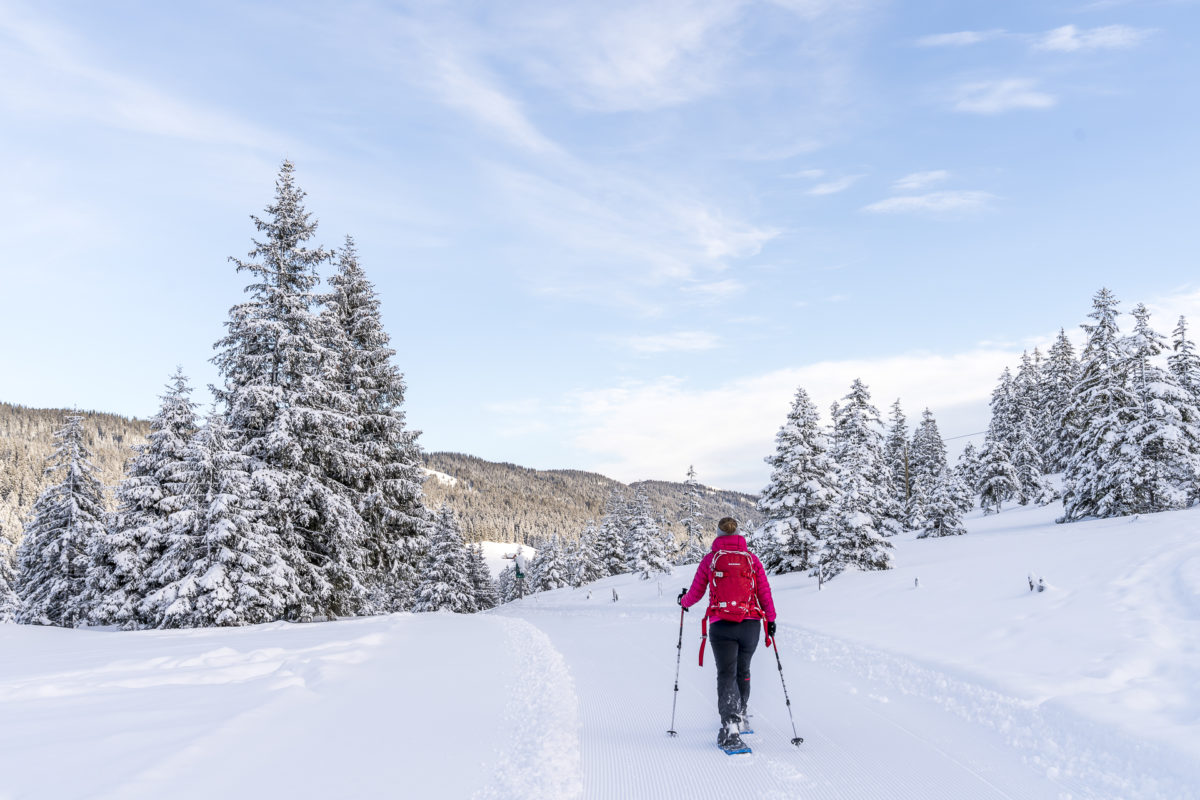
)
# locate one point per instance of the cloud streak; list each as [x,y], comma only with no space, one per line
[932,203]
[997,97]
[1071,39]
[916,181]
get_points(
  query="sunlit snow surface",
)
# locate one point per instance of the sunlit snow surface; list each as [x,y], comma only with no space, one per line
[966,686]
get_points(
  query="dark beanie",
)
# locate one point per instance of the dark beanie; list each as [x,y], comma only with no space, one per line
[727,525]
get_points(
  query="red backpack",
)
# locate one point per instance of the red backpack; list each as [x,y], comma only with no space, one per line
[732,591]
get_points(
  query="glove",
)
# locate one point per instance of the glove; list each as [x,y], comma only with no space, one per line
[771,629]
[679,599]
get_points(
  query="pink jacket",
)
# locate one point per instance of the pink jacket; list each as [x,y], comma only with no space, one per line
[704,575]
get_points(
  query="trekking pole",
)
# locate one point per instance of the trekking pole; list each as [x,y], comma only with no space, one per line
[678,656]
[798,740]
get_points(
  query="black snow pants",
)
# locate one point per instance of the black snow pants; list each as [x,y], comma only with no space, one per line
[733,645]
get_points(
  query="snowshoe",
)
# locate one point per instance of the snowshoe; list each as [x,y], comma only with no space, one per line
[734,745]
[731,742]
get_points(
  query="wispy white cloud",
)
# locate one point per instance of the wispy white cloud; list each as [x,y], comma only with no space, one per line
[808,174]
[715,291]
[648,429]
[676,342]
[48,72]
[626,55]
[996,97]
[933,202]
[916,181]
[1071,39]
[835,186]
[958,38]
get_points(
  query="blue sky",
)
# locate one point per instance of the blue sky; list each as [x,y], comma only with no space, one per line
[610,235]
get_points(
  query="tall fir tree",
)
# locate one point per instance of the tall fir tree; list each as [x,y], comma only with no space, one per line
[445,580]
[124,561]
[1183,361]
[223,565]
[852,528]
[1056,438]
[550,569]
[942,512]
[379,467]
[1032,486]
[8,581]
[1101,474]
[486,595]
[897,456]
[691,519]
[967,468]
[800,490]
[587,565]
[927,459]
[283,410]
[52,561]
[997,478]
[650,548]
[1167,428]
[506,584]
[610,541]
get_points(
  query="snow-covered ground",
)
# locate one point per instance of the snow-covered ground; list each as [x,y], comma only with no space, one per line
[966,686]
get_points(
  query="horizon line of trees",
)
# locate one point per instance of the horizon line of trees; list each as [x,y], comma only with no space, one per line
[1121,423]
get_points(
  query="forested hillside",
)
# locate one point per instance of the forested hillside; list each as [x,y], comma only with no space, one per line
[27,440]
[494,501]
[502,502]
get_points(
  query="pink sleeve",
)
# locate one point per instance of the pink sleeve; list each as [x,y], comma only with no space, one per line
[699,583]
[764,590]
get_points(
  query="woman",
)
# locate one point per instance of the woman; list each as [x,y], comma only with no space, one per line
[740,603]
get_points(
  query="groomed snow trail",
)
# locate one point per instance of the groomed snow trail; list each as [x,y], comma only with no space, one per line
[875,725]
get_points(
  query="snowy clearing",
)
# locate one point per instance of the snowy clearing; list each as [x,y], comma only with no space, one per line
[966,686]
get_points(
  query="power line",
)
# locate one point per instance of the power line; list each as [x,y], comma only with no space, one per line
[964,436]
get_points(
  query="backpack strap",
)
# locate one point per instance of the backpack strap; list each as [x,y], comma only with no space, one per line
[703,636]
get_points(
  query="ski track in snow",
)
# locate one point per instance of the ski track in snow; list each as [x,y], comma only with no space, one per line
[851,749]
[541,760]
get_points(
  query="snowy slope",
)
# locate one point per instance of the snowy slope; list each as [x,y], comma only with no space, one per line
[967,686]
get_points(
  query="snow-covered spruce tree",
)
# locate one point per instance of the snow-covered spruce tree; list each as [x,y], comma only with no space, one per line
[445,580]
[284,413]
[1102,473]
[586,565]
[800,490]
[997,479]
[852,527]
[223,565]
[1058,376]
[506,584]
[943,506]
[927,459]
[1183,361]
[691,519]
[1167,428]
[379,467]
[967,468]
[897,456]
[52,560]
[1029,387]
[486,595]
[1006,411]
[650,550]
[611,540]
[764,545]
[1032,486]
[550,569]
[124,561]
[8,581]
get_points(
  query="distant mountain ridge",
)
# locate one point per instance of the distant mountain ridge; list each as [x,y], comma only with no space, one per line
[502,502]
[494,501]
